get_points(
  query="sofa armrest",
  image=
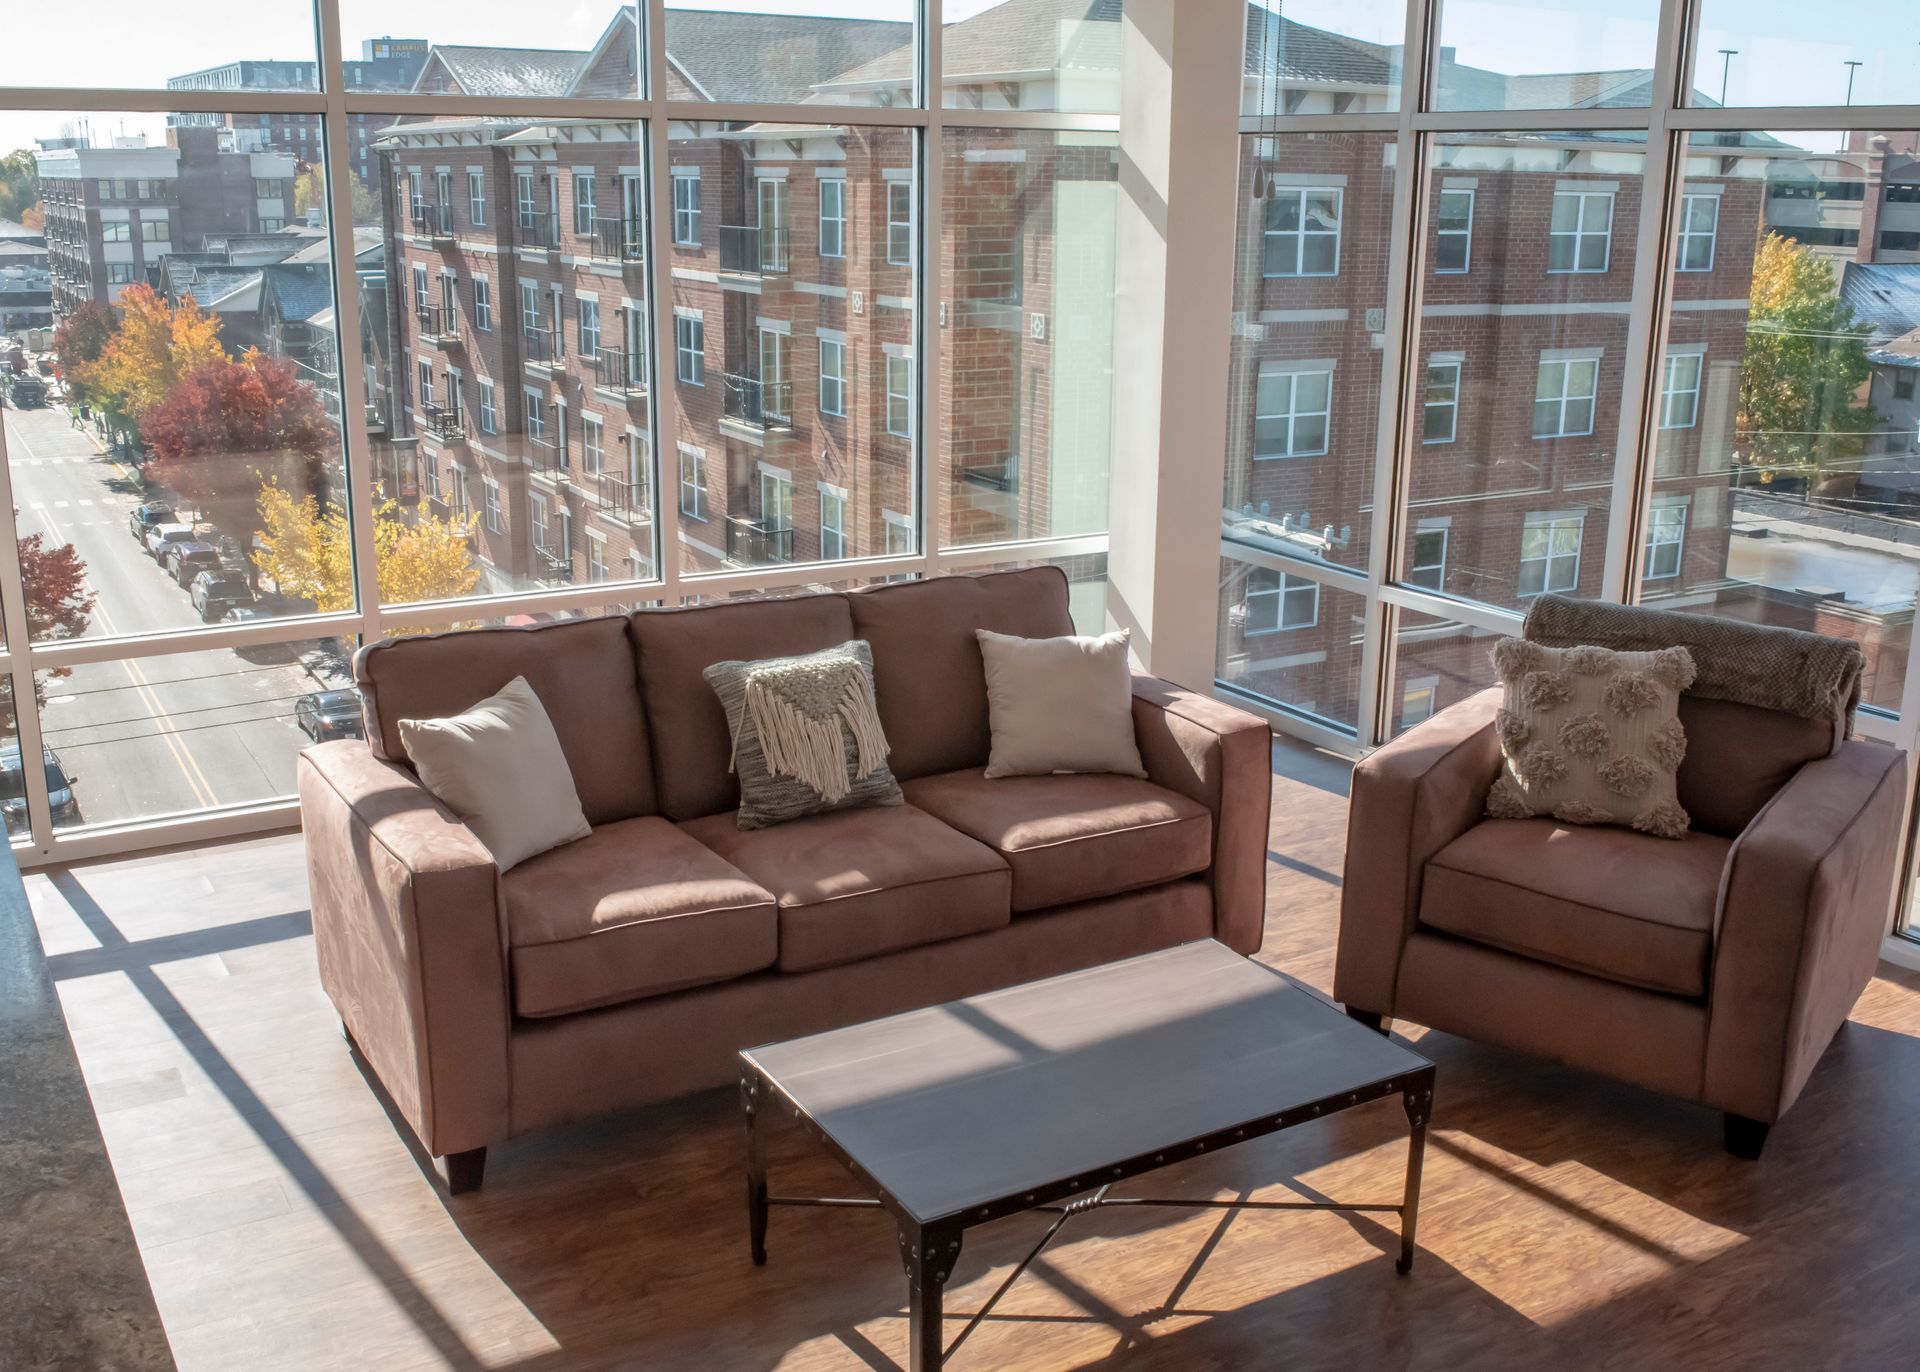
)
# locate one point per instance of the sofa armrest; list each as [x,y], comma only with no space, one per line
[1803,908]
[407,928]
[1222,757]
[1410,798]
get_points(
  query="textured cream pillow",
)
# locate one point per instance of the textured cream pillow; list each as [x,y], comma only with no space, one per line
[1591,736]
[1059,705]
[499,767]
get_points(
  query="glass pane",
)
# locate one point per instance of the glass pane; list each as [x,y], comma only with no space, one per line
[1323,333]
[1512,321]
[13,791]
[1017,55]
[1545,54]
[1291,642]
[180,391]
[490,48]
[1437,663]
[839,52]
[754,263]
[1781,54]
[264,45]
[507,355]
[1086,585]
[1323,56]
[1789,486]
[1025,428]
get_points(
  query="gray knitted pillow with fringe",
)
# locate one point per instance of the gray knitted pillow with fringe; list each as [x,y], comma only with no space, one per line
[1591,736]
[806,734]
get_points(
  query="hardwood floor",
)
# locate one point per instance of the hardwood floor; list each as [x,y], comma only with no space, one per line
[1566,1222]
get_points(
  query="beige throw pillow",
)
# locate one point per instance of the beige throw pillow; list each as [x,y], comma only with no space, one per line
[1059,705]
[1591,736]
[499,767]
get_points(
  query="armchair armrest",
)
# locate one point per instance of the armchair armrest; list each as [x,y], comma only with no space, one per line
[408,931]
[1410,798]
[1803,908]
[1221,757]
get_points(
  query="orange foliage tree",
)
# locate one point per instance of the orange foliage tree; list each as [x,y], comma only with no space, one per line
[157,345]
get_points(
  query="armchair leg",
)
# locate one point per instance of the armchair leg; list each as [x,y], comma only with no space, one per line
[462,1171]
[1745,1137]
[1374,1020]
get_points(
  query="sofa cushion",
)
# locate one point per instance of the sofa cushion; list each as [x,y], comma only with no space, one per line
[859,882]
[927,668]
[1070,838]
[582,670]
[1609,902]
[1738,756]
[691,746]
[633,909]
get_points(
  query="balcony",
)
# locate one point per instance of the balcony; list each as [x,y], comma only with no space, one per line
[325,385]
[618,239]
[544,348]
[758,405]
[433,220]
[445,424]
[621,497]
[546,457]
[755,544]
[621,371]
[439,325]
[753,250]
[536,231]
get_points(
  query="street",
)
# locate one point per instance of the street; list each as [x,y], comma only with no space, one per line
[156,735]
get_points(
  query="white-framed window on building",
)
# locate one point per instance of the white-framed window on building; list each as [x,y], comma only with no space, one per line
[833,376]
[420,297]
[430,476]
[476,198]
[776,386]
[495,522]
[900,393]
[462,497]
[1278,601]
[524,203]
[1699,227]
[1563,396]
[1580,236]
[1292,405]
[537,520]
[1441,418]
[833,216]
[529,309]
[1550,553]
[690,349]
[116,231]
[686,208]
[900,223]
[901,541]
[592,444]
[1417,697]
[119,273]
[585,203]
[489,415]
[1427,556]
[1300,231]
[1666,539]
[536,406]
[589,330]
[1680,389]
[693,482]
[1453,230]
[833,522]
[482,304]
[776,514]
[424,383]
[596,555]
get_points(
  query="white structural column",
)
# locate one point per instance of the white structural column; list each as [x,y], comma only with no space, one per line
[1180,65]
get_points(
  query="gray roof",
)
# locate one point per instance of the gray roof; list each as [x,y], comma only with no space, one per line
[776,57]
[1285,48]
[298,291]
[31,252]
[510,71]
[1020,35]
[1884,296]
[10,228]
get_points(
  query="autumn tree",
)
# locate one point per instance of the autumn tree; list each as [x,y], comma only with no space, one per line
[306,552]
[1805,362]
[59,603]
[310,192]
[156,346]
[19,185]
[79,341]
[229,428]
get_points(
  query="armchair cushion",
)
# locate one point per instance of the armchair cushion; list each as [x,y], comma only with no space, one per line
[1605,901]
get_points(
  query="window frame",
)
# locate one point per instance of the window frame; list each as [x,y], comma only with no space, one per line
[1579,234]
[1285,589]
[1565,397]
[899,363]
[1465,235]
[900,230]
[1689,235]
[1655,544]
[1451,404]
[1552,521]
[690,350]
[1301,234]
[838,219]
[686,217]
[836,378]
[1669,393]
[1272,369]
[700,508]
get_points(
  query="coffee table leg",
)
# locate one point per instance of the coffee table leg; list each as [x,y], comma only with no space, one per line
[756,1172]
[930,1256]
[1418,1100]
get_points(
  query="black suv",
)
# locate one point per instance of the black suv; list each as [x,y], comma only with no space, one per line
[217,591]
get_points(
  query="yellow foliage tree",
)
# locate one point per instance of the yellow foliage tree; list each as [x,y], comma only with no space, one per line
[309,554]
[157,344]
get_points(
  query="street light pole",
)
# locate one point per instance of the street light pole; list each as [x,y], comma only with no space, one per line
[1726,65]
[1853,65]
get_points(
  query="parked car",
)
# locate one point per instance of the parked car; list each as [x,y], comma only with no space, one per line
[217,592]
[13,791]
[160,535]
[184,561]
[324,715]
[26,392]
[144,517]
[258,653]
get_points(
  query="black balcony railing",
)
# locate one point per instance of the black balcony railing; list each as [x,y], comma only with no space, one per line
[756,543]
[445,424]
[438,322]
[618,239]
[764,405]
[621,370]
[432,219]
[536,229]
[547,457]
[759,249]
[544,347]
[620,495]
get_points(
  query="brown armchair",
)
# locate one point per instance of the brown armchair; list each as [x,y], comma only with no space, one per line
[1715,968]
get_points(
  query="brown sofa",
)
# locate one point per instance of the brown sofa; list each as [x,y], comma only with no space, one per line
[630,966]
[1714,968]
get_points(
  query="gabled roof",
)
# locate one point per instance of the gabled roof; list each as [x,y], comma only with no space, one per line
[297,291]
[1885,296]
[740,57]
[516,72]
[1284,48]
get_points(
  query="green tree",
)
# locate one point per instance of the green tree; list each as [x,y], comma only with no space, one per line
[19,184]
[310,191]
[1805,364]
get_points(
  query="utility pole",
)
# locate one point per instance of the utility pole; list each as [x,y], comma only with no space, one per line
[1726,66]
[1853,66]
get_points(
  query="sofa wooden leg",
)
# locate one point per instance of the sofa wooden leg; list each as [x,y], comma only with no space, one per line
[1745,1137]
[1373,1019]
[462,1171]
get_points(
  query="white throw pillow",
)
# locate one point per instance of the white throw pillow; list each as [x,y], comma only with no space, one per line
[1059,705]
[499,767]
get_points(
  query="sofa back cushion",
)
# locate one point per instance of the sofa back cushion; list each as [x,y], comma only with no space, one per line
[582,670]
[692,749]
[1738,756]
[927,669]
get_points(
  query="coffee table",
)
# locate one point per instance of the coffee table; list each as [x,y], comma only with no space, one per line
[1043,1096]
